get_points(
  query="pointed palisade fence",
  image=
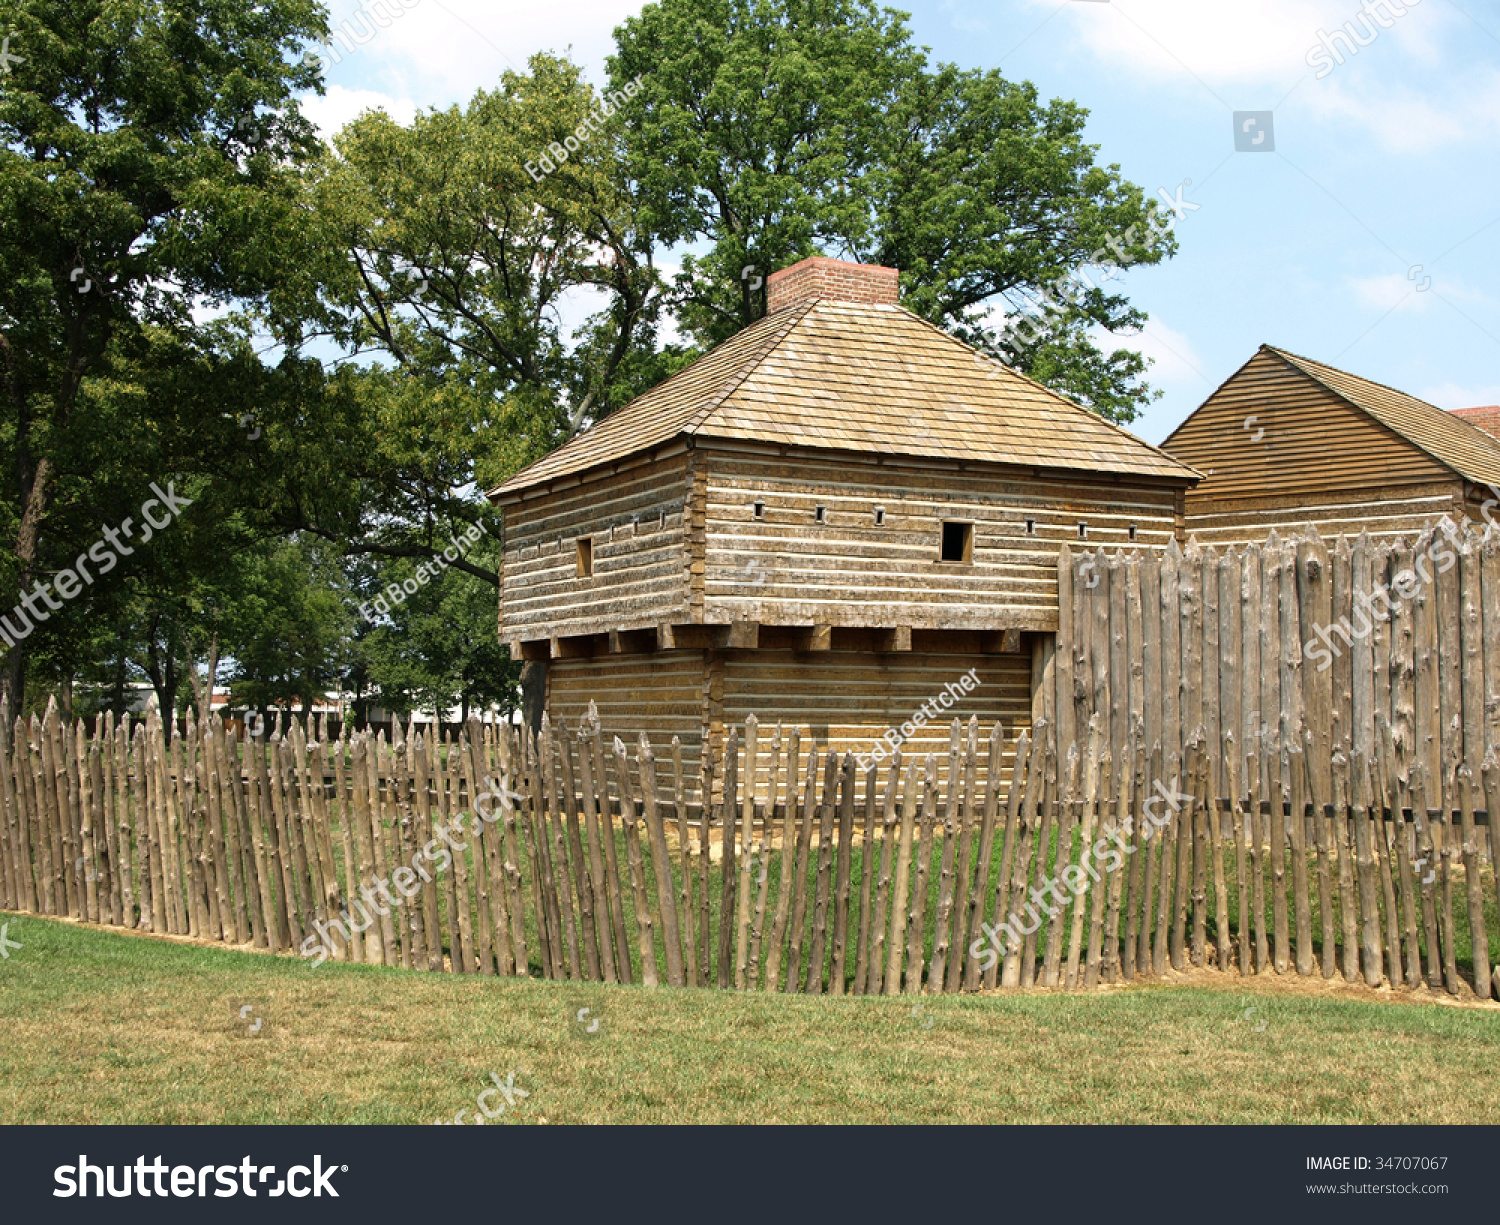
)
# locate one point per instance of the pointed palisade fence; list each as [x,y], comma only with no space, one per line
[589,862]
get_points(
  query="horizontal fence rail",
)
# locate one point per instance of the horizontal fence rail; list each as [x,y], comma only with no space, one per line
[561,855]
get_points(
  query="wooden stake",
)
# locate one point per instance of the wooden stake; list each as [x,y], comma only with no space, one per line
[1301,899]
[901,891]
[826,810]
[645,929]
[788,866]
[804,851]
[747,835]
[684,847]
[981,889]
[728,882]
[963,870]
[1479,938]
[841,886]
[1325,866]
[661,862]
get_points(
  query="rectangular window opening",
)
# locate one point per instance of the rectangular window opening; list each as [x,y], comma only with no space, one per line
[880,516]
[958,541]
[1132,531]
[820,514]
[758,509]
[1083,531]
[585,556]
[1031,527]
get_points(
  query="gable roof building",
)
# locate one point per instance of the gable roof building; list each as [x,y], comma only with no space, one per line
[1287,441]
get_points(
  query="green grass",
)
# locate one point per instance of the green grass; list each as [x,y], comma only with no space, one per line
[104,1027]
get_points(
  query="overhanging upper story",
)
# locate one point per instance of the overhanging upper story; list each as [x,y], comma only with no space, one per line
[839,471]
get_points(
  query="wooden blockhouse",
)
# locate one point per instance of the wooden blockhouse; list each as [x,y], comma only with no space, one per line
[826,521]
[1287,441]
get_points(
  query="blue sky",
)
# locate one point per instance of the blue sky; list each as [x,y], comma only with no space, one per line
[1368,238]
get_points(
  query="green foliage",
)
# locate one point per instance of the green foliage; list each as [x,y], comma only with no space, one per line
[437,646]
[166,211]
[287,633]
[147,155]
[777,129]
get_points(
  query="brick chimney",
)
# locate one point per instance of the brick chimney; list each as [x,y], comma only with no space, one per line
[835,279]
[1486,417]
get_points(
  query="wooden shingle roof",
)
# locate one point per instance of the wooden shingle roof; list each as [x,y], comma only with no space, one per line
[866,378]
[1448,438]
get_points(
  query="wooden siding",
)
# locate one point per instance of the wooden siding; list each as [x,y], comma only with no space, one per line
[1314,443]
[1385,516]
[640,559]
[659,693]
[787,569]
[847,699]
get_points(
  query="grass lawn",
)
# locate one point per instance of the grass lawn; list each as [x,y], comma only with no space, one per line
[105,1027]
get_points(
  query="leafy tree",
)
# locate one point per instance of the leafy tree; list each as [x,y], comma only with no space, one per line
[145,149]
[451,267]
[771,130]
[436,647]
[288,635]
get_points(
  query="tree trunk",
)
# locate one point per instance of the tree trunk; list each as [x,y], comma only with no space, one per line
[533,691]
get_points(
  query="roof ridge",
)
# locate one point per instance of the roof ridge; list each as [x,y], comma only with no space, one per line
[1056,395]
[1301,363]
[752,360]
[1298,359]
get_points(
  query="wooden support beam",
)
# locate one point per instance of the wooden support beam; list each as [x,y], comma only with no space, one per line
[631,642]
[1000,642]
[744,635]
[540,648]
[666,637]
[897,639]
[815,638]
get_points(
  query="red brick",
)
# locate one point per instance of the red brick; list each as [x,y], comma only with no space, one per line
[832,279]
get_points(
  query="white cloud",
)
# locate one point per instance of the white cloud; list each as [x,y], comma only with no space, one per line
[339,106]
[1267,48]
[1173,358]
[1393,291]
[1216,41]
[1390,292]
[1452,395]
[1407,120]
[450,48]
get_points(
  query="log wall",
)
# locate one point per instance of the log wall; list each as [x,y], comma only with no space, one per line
[635,520]
[788,568]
